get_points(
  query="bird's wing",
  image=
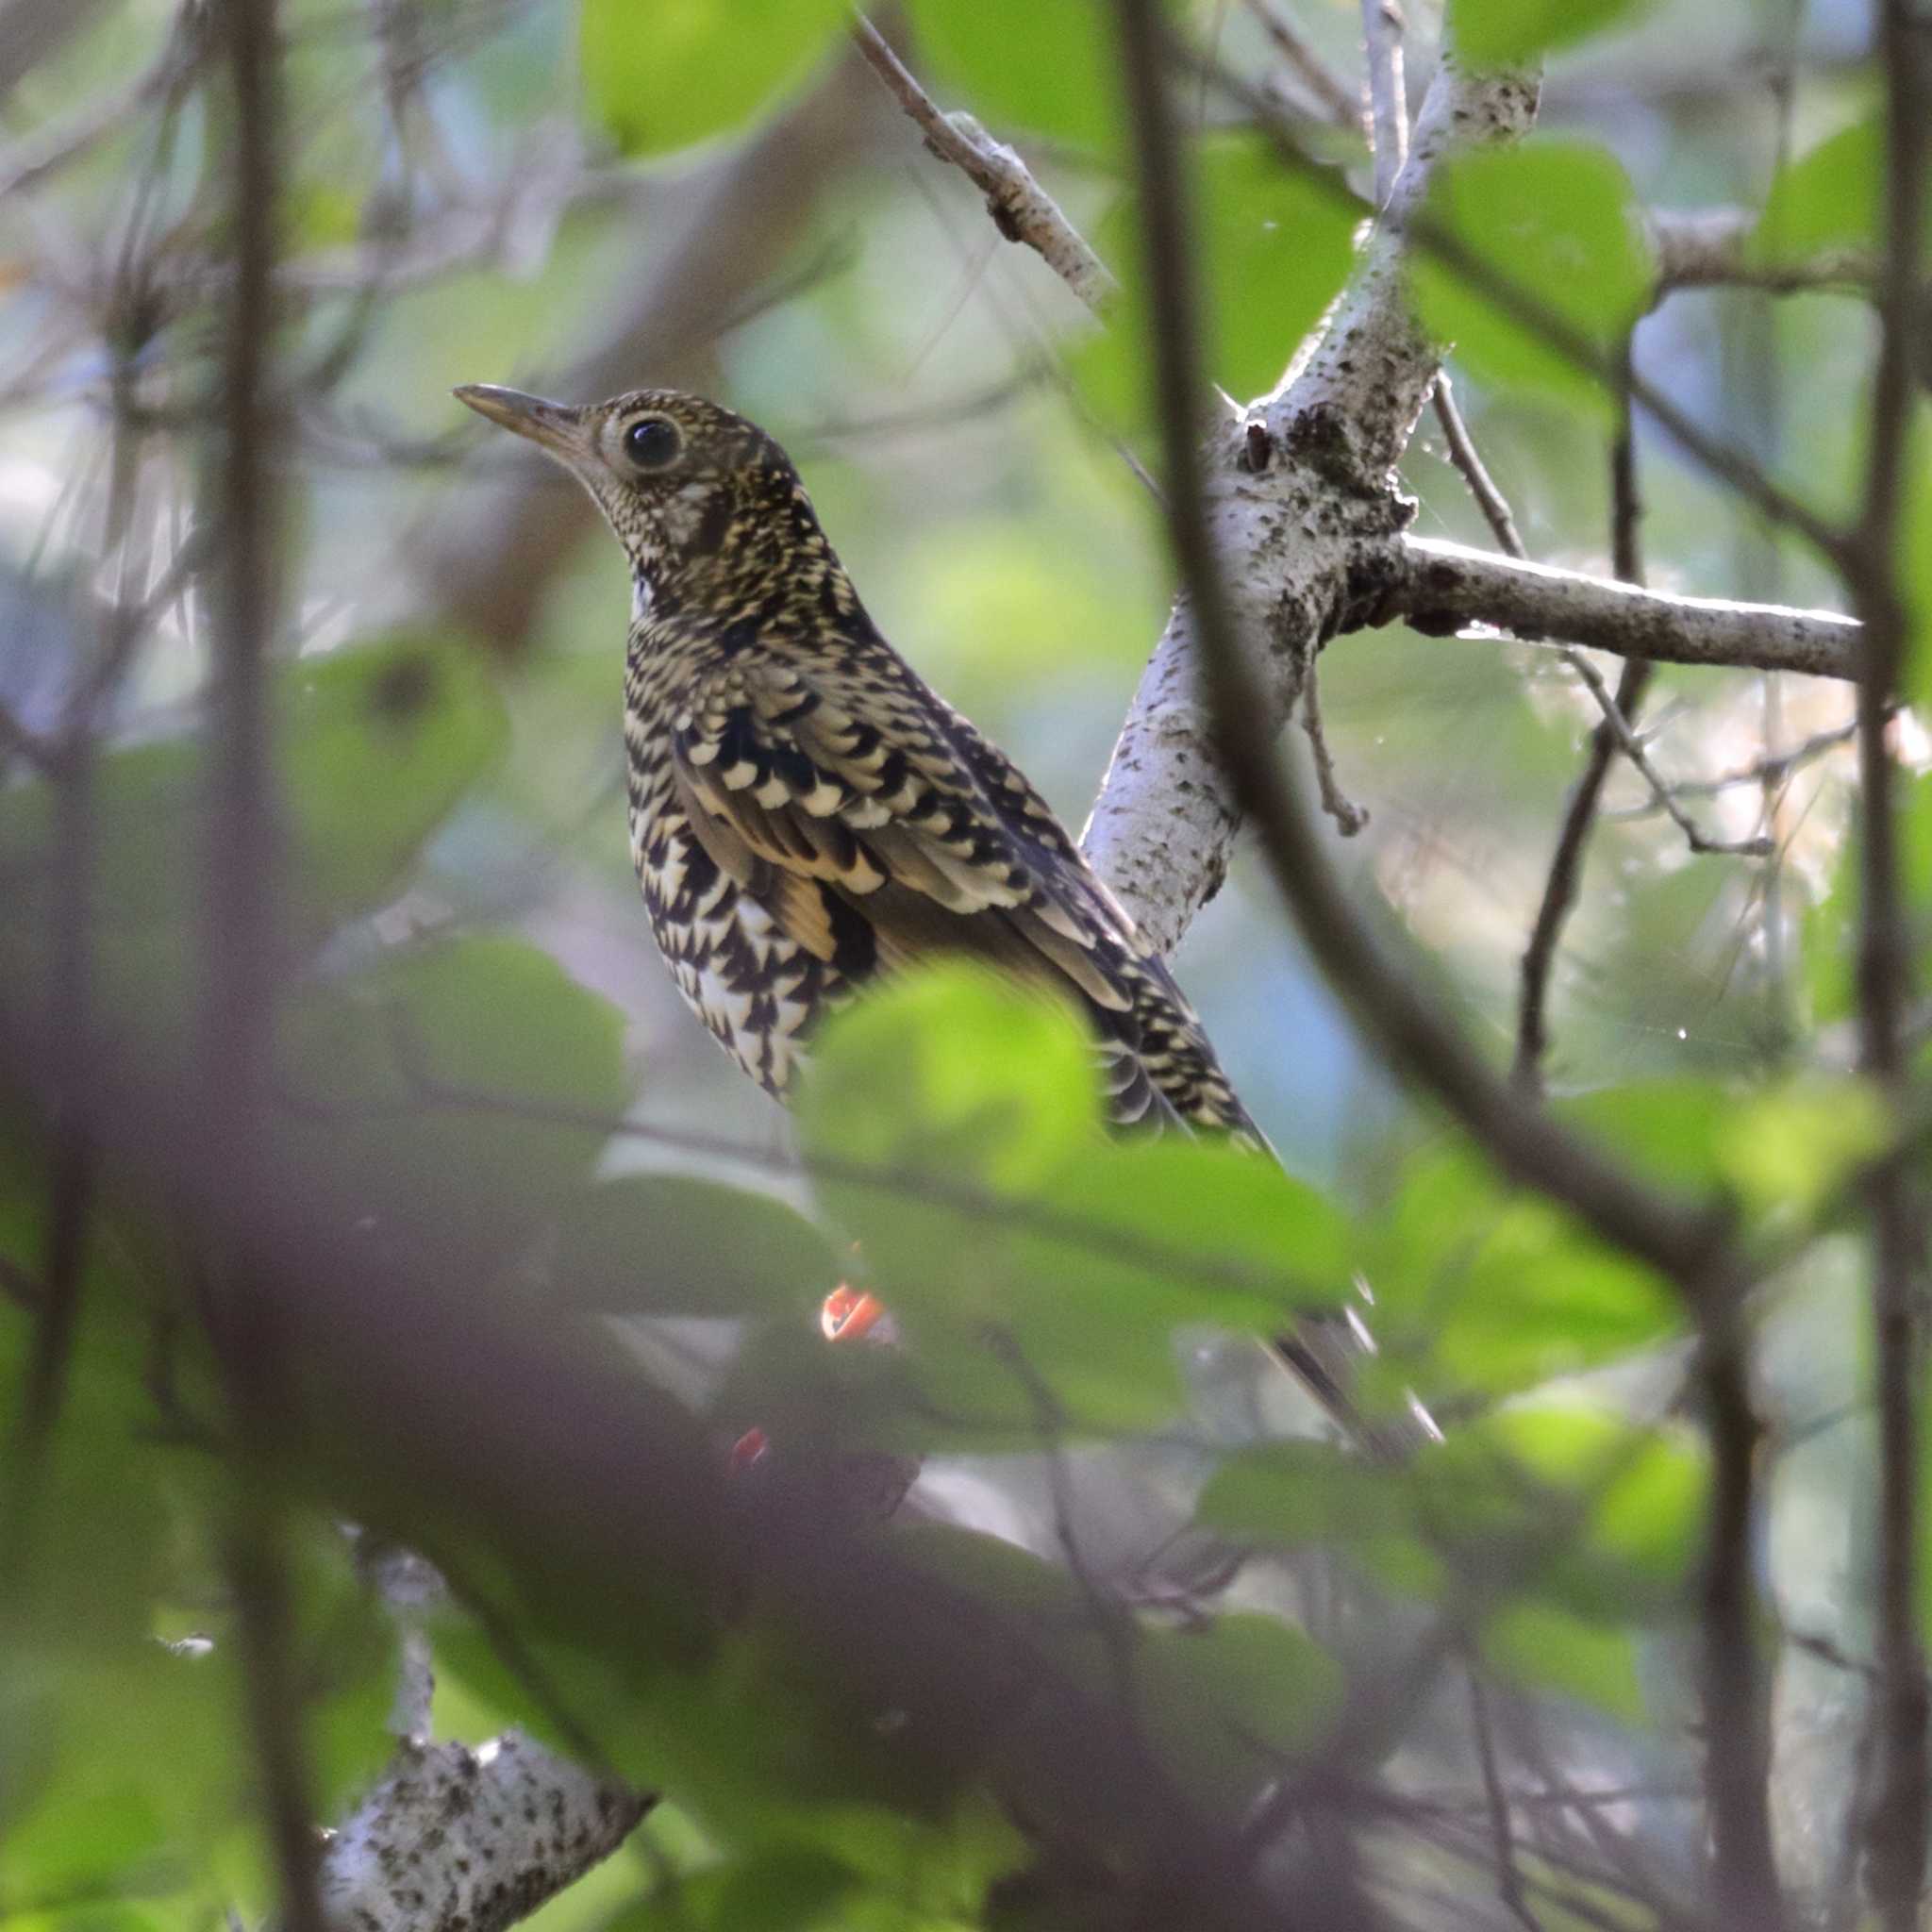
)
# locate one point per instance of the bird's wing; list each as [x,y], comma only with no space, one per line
[878,828]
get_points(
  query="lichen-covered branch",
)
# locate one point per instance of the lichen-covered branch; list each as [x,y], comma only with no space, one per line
[1292,507]
[1022,209]
[459,1841]
[1439,585]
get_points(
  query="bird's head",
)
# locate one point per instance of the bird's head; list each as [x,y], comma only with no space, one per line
[695,493]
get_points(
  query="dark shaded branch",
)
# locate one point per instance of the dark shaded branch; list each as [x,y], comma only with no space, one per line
[1896,1837]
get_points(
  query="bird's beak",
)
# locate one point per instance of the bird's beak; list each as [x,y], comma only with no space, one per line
[554,426]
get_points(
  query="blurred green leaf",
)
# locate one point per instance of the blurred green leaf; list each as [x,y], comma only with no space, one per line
[1557,223]
[1541,1646]
[1048,1298]
[1275,248]
[1827,197]
[1565,1499]
[1025,68]
[951,1071]
[1480,1286]
[1286,1495]
[665,1245]
[662,76]
[1500,33]
[1788,1150]
[374,1071]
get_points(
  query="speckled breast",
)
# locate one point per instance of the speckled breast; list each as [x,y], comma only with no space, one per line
[757,991]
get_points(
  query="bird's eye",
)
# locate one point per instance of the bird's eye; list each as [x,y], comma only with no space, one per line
[651,443]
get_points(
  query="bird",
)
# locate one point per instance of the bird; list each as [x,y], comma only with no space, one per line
[807,814]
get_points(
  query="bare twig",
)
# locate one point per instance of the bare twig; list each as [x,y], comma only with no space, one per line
[1473,470]
[1773,770]
[1441,586]
[1021,209]
[237,1014]
[1703,248]
[1337,101]
[1508,1876]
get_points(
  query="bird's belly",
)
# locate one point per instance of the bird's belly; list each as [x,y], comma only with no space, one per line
[757,990]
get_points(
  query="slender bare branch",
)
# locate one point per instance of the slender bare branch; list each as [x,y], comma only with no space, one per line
[1022,209]
[1715,247]
[1441,586]
[1337,101]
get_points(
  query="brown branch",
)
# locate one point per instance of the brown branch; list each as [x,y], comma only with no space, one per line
[1021,209]
[1897,1823]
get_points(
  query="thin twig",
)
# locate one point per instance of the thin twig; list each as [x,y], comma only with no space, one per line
[1509,1878]
[1021,209]
[1337,101]
[1475,471]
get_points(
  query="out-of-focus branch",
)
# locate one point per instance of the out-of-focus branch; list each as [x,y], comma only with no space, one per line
[1896,1829]
[1441,586]
[1336,100]
[1703,248]
[489,558]
[459,1841]
[1022,209]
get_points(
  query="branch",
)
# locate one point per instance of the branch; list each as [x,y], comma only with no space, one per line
[1166,816]
[1441,586]
[460,1840]
[1896,1837]
[1339,105]
[1022,209]
[1705,248]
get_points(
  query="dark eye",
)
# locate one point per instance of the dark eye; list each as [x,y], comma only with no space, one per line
[651,443]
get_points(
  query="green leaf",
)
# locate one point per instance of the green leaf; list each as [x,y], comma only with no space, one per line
[1286,1495]
[1025,68]
[1566,1499]
[1787,1151]
[416,1092]
[952,1072]
[1539,1645]
[664,1245]
[1502,33]
[374,746]
[1827,197]
[1479,1286]
[1276,246]
[674,72]
[1556,226]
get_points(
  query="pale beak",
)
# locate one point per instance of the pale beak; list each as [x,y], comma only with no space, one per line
[554,426]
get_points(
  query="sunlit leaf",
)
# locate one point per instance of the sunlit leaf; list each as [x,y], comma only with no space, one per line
[1552,229]
[1500,33]
[1541,1646]
[1275,245]
[1827,197]
[677,72]
[1025,68]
